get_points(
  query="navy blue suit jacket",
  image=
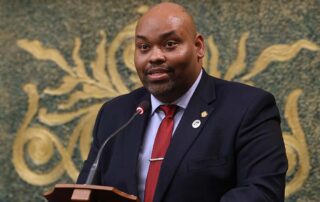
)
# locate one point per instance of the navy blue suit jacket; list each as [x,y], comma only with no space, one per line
[237,154]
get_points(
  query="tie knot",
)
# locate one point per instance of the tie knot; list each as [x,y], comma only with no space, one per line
[169,110]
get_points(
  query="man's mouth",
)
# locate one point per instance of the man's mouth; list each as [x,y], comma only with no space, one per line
[158,74]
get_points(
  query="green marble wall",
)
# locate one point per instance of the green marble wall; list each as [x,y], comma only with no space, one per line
[59,60]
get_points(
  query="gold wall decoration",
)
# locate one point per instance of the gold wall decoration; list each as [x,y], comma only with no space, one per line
[296,145]
[106,82]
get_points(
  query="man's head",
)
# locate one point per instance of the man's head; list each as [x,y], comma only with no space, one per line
[168,51]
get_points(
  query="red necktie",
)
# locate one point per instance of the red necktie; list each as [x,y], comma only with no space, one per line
[159,150]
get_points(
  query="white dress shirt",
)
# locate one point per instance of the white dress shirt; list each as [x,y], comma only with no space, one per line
[155,119]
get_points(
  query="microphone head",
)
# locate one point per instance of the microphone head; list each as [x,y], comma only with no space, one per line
[142,107]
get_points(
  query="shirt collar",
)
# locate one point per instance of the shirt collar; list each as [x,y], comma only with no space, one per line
[182,102]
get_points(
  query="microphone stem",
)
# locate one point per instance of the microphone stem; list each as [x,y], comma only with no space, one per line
[94,167]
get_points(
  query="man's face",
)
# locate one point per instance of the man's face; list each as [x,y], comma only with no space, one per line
[167,55]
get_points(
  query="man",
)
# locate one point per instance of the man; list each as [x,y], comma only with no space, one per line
[225,142]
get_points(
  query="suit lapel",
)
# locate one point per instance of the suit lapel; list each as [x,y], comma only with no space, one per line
[186,132]
[133,139]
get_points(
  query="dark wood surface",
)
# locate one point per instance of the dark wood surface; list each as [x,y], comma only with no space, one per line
[87,193]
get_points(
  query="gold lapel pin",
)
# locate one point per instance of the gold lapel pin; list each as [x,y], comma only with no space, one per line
[204,114]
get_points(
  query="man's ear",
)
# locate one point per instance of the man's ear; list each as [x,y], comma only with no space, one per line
[199,43]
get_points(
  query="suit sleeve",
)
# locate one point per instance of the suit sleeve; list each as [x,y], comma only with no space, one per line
[260,155]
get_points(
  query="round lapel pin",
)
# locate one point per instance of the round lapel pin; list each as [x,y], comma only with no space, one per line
[196,123]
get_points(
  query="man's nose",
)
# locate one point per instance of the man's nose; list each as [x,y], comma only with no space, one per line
[157,56]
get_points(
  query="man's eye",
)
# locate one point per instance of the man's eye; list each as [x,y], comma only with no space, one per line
[171,44]
[143,47]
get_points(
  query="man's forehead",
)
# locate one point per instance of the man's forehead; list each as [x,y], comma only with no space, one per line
[163,18]
[161,32]
[162,27]
[154,22]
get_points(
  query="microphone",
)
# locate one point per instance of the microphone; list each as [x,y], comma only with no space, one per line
[140,110]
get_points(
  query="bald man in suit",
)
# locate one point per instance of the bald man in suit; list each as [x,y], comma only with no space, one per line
[226,143]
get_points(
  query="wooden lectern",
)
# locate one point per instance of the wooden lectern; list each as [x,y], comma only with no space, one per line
[87,193]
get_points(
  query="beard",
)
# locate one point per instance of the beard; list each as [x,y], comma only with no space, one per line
[161,90]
